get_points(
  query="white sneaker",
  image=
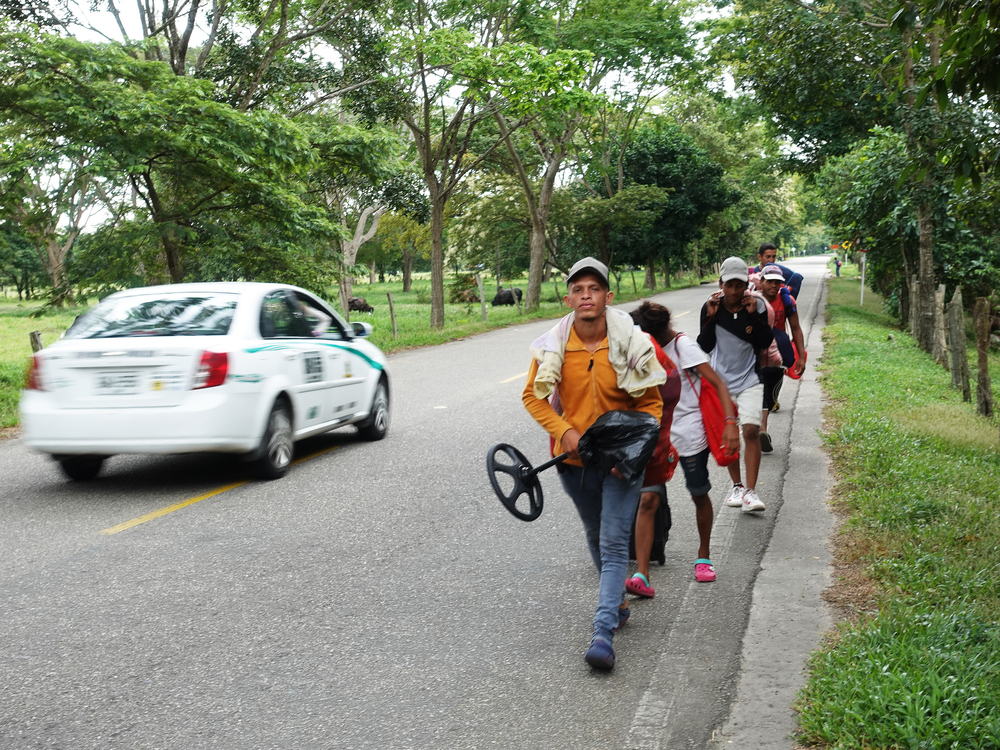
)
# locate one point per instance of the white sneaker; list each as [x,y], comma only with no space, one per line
[735,497]
[751,502]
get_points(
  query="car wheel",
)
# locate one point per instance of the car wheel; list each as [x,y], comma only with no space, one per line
[81,468]
[376,424]
[276,447]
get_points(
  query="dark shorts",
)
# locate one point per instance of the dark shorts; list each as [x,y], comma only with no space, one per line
[696,473]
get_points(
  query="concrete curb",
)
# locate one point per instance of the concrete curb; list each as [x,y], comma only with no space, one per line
[788,616]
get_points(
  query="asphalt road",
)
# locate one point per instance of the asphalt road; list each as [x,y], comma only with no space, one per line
[376,597]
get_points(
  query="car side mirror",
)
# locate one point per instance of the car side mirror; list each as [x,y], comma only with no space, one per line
[361,329]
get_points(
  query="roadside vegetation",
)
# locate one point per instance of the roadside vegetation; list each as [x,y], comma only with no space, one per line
[18,320]
[916,662]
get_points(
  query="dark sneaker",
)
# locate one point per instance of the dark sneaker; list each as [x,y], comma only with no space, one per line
[765,443]
[600,655]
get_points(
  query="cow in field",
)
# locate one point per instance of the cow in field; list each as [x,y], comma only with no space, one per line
[359,304]
[510,296]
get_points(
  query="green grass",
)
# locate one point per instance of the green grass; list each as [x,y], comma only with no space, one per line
[16,322]
[412,311]
[920,479]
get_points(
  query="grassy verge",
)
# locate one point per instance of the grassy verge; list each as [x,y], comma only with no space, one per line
[16,322]
[412,311]
[917,662]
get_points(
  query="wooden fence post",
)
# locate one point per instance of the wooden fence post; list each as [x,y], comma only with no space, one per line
[984,392]
[482,296]
[36,340]
[392,314]
[940,348]
[956,345]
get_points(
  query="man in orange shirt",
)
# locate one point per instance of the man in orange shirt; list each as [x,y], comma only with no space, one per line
[593,361]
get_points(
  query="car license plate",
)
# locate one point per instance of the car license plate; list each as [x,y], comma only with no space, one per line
[117,383]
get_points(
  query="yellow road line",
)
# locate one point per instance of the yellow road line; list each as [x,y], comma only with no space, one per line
[516,377]
[153,515]
[311,456]
[171,508]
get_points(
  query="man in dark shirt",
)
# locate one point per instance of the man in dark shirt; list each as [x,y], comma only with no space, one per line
[734,329]
[767,255]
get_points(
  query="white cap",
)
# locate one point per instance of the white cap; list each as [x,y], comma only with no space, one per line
[589,264]
[734,268]
[772,273]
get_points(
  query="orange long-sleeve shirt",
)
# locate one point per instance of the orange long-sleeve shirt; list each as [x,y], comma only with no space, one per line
[588,389]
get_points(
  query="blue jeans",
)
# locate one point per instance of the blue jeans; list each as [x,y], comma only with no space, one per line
[606,506]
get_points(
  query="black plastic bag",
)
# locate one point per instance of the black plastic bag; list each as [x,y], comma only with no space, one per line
[622,439]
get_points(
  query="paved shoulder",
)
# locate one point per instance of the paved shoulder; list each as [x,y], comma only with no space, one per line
[788,616]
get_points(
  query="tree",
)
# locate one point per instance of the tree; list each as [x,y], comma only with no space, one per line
[19,264]
[285,55]
[633,46]
[661,155]
[818,71]
[794,69]
[359,175]
[184,155]
[454,56]
[406,239]
[51,197]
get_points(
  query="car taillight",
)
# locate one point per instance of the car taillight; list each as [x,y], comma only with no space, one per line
[33,378]
[212,370]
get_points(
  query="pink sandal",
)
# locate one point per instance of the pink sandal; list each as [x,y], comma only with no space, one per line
[704,571]
[639,586]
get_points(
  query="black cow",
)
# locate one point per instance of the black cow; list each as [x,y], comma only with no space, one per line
[359,304]
[510,296]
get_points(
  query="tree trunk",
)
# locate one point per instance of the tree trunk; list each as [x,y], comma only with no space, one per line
[345,284]
[650,281]
[984,390]
[407,270]
[925,274]
[173,254]
[956,346]
[536,264]
[56,266]
[437,260]
[915,301]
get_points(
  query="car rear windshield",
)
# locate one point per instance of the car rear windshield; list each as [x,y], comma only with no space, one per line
[180,314]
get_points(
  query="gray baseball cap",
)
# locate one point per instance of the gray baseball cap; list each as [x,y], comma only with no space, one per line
[589,264]
[734,268]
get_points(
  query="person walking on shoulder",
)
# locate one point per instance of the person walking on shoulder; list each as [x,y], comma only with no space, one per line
[654,319]
[687,435]
[593,361]
[767,255]
[792,350]
[734,330]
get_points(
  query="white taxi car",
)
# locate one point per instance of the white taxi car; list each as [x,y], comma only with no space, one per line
[235,367]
